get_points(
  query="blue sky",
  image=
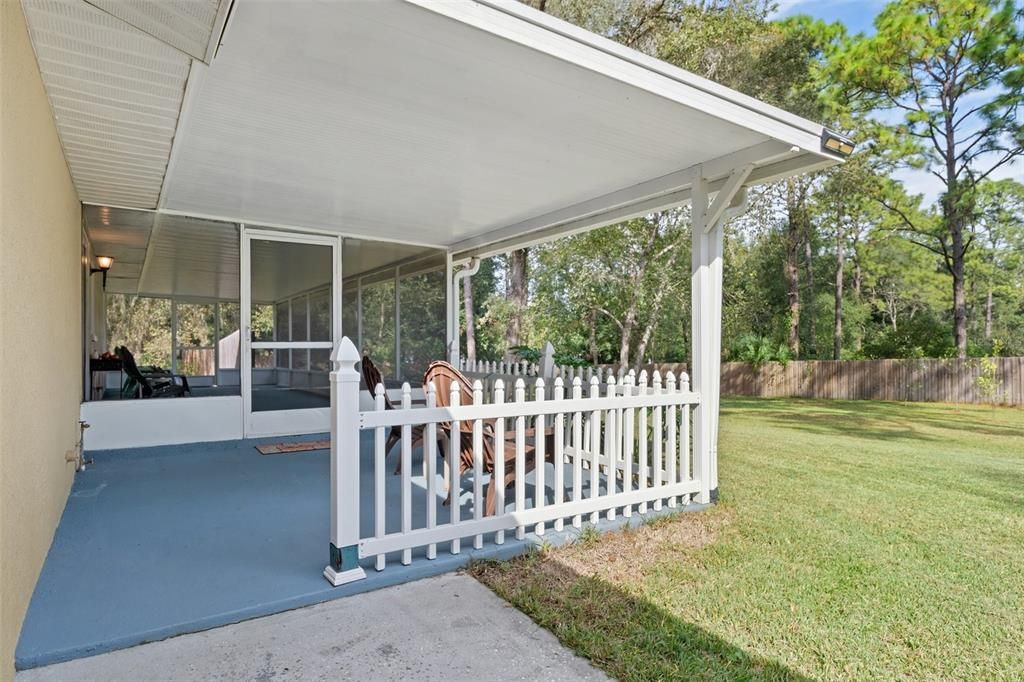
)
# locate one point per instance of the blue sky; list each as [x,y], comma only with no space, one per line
[858,16]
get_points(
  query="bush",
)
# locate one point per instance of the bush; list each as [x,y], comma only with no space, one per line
[757,350]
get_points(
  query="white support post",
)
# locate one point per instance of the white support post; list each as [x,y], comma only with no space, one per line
[344,565]
[701,338]
[714,359]
[706,317]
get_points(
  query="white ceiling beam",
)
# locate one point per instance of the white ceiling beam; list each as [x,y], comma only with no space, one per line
[646,197]
[724,198]
[803,163]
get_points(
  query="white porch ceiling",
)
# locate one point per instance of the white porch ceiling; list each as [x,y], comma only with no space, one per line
[157,254]
[436,123]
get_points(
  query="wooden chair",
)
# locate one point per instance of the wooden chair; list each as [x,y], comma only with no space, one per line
[372,377]
[444,376]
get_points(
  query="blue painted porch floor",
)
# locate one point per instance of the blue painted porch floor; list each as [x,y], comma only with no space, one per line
[162,541]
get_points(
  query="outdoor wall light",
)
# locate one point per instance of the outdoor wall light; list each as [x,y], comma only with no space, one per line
[103,264]
[834,142]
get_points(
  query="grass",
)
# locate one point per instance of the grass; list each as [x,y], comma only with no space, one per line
[853,540]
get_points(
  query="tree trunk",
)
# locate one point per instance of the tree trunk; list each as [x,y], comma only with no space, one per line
[467,294]
[791,266]
[988,314]
[627,333]
[592,341]
[517,294]
[857,278]
[796,230]
[652,324]
[837,327]
[953,217]
[959,308]
[812,339]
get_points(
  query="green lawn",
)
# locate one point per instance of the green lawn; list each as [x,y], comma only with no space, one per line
[853,540]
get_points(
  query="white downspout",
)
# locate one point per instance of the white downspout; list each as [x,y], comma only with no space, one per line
[453,308]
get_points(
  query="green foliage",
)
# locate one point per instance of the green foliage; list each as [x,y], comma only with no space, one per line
[757,350]
[625,288]
[526,353]
[143,325]
[988,380]
[535,354]
[953,70]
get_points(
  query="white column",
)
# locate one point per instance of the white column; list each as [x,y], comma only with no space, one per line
[714,376]
[706,340]
[344,565]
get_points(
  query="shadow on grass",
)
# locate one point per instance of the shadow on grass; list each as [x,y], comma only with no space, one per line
[624,635]
[869,419]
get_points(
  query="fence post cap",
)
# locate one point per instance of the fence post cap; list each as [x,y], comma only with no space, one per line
[345,351]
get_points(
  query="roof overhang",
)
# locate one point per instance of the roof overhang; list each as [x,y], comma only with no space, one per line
[470,125]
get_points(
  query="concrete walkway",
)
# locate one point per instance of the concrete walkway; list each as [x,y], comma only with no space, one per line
[450,627]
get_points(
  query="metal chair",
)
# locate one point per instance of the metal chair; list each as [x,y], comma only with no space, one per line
[371,378]
[152,384]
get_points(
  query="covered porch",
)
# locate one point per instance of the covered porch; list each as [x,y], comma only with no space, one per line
[310,158]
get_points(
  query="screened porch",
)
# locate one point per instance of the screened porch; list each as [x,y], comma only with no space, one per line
[171,304]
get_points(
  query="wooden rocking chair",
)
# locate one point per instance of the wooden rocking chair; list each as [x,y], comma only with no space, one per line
[372,377]
[444,375]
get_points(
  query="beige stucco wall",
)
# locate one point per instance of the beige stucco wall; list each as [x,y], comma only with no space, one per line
[40,326]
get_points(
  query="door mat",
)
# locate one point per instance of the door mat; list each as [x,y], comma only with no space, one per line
[286,448]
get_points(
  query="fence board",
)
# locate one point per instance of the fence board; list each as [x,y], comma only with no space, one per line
[920,380]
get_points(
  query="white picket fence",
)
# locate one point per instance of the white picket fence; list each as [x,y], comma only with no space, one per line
[506,368]
[489,372]
[608,447]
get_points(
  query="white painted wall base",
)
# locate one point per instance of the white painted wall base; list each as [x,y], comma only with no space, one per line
[161,421]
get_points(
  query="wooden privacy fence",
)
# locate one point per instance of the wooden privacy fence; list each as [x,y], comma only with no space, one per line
[974,380]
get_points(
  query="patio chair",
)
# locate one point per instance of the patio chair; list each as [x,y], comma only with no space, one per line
[372,377]
[444,375]
[152,384]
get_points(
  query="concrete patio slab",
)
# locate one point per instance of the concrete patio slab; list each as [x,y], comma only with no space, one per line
[449,627]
